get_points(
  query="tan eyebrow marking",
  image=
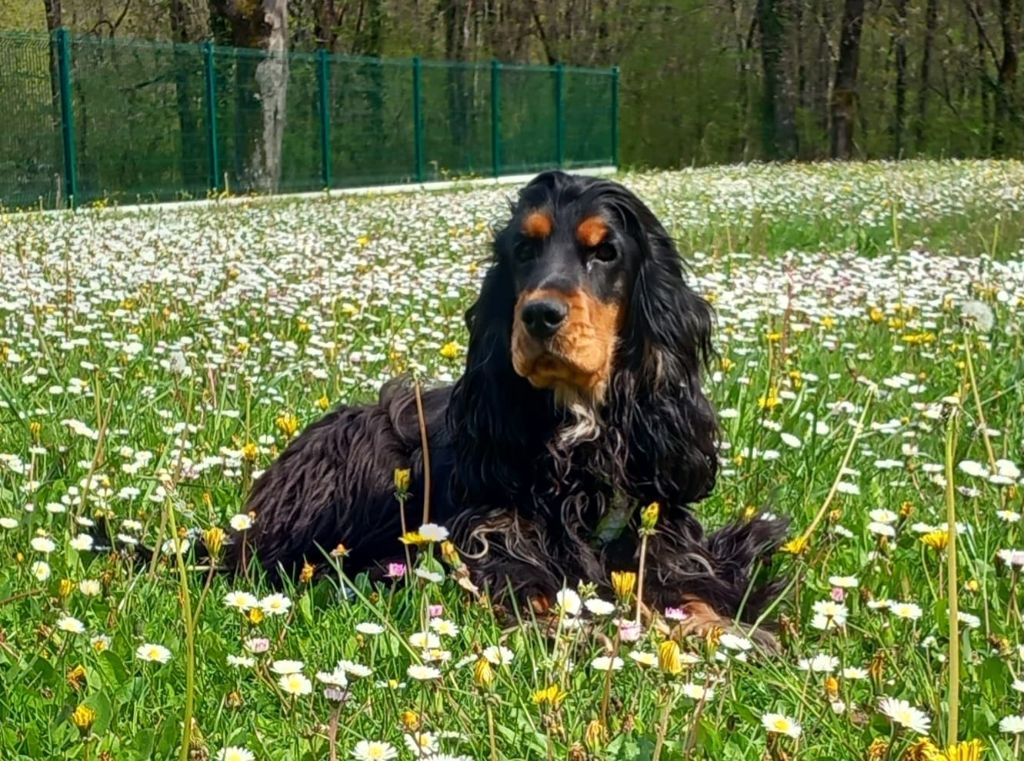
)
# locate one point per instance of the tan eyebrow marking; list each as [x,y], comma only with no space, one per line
[592,231]
[537,224]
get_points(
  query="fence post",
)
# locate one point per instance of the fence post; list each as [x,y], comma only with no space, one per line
[213,155]
[67,115]
[417,117]
[559,114]
[496,117]
[324,78]
[615,116]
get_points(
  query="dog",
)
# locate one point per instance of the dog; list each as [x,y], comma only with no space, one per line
[580,403]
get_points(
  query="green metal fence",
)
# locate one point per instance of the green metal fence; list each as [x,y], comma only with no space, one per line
[84,119]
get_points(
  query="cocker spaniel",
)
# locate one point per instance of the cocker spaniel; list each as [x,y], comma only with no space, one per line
[581,402]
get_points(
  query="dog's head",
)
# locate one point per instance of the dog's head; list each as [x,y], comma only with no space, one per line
[585,310]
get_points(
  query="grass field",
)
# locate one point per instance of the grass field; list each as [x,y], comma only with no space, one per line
[869,381]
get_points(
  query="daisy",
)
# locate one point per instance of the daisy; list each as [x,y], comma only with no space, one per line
[234,753]
[568,602]
[40,569]
[642,658]
[902,713]
[498,655]
[735,642]
[369,628]
[844,582]
[241,661]
[599,607]
[286,667]
[852,672]
[431,576]
[70,624]
[367,750]
[444,627]
[1012,558]
[257,645]
[1013,725]
[152,653]
[829,615]
[780,724]
[697,691]
[605,663]
[431,532]
[275,605]
[821,664]
[354,669]
[423,673]
[424,640]
[906,610]
[240,600]
[295,684]
[89,587]
[422,744]
[241,522]
[881,529]
[82,543]
[43,544]
[334,678]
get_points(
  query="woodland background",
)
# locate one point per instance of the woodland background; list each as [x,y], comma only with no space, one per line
[702,82]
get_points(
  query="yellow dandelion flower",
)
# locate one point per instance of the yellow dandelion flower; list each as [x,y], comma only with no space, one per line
[937,540]
[623,584]
[552,696]
[795,546]
[83,717]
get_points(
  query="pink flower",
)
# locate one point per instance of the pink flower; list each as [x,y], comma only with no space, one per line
[838,594]
[629,631]
[435,610]
[396,570]
[257,644]
[675,614]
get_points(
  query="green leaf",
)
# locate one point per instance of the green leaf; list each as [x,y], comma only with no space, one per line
[100,703]
[111,669]
[306,608]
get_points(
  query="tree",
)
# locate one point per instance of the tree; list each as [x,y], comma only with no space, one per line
[261,86]
[1004,121]
[900,48]
[844,92]
[778,122]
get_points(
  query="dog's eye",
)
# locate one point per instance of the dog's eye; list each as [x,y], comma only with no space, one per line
[605,253]
[525,251]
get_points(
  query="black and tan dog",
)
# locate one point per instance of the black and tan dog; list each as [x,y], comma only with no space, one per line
[581,399]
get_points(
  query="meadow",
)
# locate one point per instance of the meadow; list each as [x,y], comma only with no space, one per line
[869,388]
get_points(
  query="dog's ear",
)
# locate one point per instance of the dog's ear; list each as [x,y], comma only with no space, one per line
[496,417]
[657,401]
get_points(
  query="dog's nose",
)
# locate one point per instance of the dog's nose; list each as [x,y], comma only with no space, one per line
[543,317]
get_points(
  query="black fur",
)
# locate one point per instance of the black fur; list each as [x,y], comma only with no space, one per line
[523,506]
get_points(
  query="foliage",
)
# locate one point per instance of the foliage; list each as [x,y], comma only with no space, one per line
[152,363]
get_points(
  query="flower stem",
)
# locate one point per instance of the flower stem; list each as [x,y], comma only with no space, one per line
[667,698]
[640,576]
[977,403]
[857,431]
[190,635]
[952,585]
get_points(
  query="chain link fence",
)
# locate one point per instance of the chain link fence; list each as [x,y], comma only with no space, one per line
[89,120]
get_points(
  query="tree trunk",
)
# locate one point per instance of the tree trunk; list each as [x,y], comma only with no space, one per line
[931,22]
[1004,115]
[187,83]
[261,86]
[844,93]
[900,45]
[778,122]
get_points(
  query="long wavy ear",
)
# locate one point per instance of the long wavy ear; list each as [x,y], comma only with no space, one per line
[657,401]
[497,419]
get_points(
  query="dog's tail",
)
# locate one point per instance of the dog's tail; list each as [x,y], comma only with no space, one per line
[740,555]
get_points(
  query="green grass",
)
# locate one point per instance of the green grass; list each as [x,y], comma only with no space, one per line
[152,362]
